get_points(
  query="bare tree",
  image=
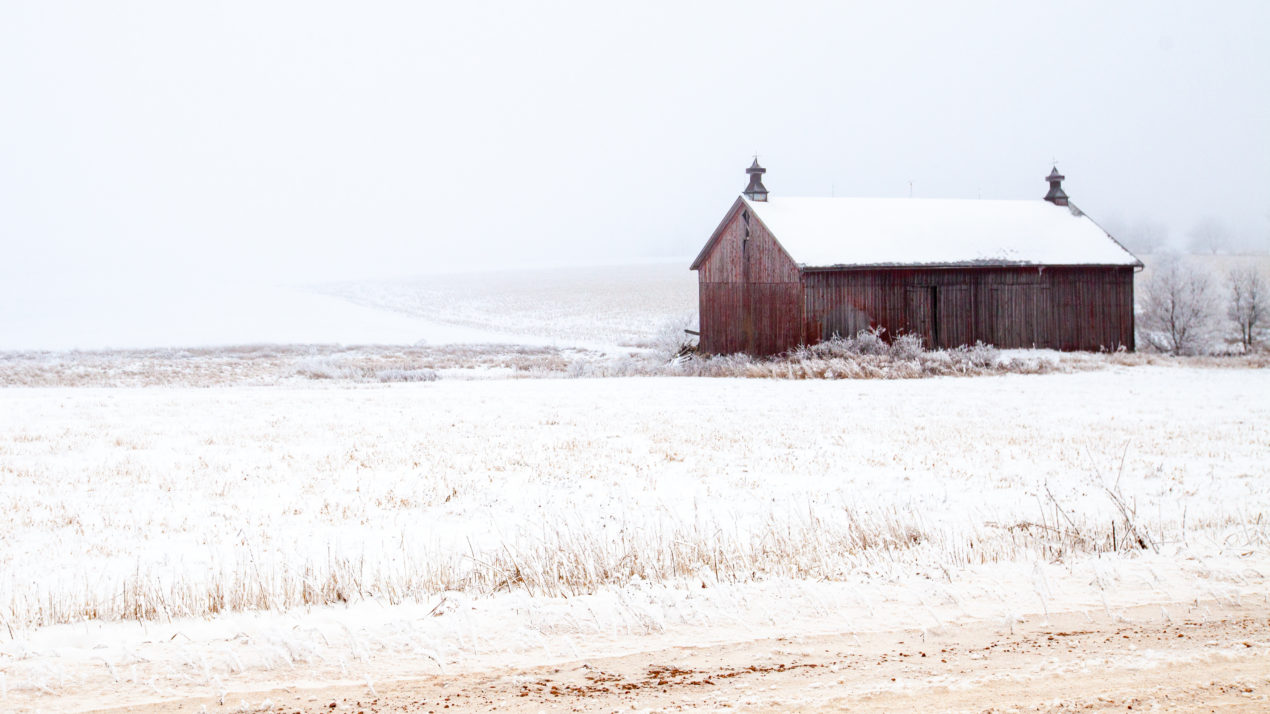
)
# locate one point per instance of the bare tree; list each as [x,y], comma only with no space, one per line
[1209,235]
[1178,308]
[1249,306]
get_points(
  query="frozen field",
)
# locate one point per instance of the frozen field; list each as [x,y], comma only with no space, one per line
[175,540]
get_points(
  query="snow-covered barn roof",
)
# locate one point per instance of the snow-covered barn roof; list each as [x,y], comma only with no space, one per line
[863,232]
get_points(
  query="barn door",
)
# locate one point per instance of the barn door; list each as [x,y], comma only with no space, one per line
[921,314]
[952,316]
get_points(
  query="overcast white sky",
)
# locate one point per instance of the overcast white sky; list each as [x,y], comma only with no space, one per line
[312,140]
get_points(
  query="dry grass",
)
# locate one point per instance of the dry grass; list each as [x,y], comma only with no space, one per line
[572,559]
[271,365]
[158,504]
[567,561]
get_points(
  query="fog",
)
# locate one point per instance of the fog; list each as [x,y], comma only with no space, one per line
[304,141]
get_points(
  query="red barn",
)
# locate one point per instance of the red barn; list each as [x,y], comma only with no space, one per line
[780,272]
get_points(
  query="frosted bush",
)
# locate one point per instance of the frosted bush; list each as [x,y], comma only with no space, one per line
[906,347]
[942,360]
[977,356]
[867,356]
[407,375]
[578,369]
[865,342]
[672,338]
[324,368]
[870,342]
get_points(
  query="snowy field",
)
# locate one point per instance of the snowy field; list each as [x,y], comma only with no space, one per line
[201,313]
[360,482]
[176,540]
[622,306]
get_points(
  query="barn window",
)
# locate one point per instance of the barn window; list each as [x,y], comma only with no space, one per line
[745,216]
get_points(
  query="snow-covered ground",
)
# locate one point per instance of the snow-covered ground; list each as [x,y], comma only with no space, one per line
[366,531]
[621,305]
[208,313]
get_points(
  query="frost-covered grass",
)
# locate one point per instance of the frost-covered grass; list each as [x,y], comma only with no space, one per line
[166,503]
[868,356]
[861,357]
[268,365]
[204,540]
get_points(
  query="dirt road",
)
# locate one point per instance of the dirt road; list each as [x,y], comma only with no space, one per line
[1201,657]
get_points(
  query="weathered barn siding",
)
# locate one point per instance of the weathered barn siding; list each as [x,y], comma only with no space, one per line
[1095,305]
[750,294]
[1088,308]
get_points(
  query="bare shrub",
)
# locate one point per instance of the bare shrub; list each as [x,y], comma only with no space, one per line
[1249,304]
[1178,309]
[866,356]
[907,347]
[864,342]
[326,367]
[407,375]
[978,355]
[672,339]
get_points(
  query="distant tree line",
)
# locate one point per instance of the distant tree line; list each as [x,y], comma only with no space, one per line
[1208,236]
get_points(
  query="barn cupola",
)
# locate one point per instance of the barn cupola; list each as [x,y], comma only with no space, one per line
[756,191]
[1056,195]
